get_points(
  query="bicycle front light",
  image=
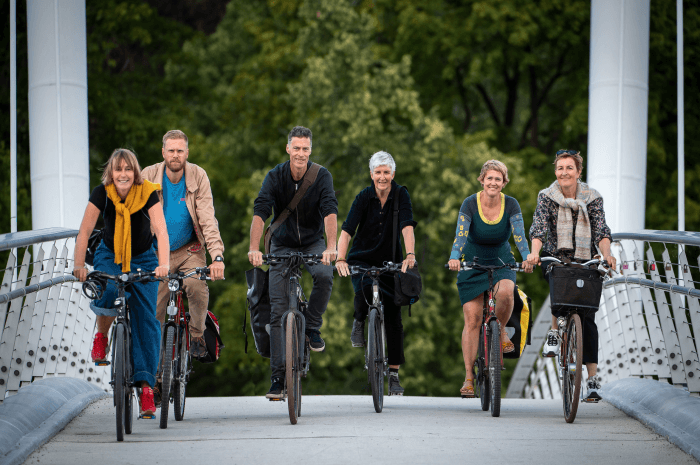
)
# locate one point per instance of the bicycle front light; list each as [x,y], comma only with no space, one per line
[173,285]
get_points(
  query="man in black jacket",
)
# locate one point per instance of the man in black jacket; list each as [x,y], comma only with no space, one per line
[302,231]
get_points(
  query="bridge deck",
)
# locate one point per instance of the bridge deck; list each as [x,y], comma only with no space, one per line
[345,429]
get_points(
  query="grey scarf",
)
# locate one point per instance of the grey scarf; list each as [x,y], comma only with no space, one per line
[565,224]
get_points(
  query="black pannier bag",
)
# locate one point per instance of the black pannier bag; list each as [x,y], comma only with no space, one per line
[521,321]
[407,287]
[259,308]
[574,285]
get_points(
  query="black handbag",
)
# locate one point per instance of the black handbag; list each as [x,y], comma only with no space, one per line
[93,242]
[408,285]
[258,298]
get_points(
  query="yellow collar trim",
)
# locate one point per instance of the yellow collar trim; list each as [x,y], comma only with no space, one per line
[481,213]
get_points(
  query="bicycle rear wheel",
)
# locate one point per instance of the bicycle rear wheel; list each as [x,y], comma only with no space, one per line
[292,368]
[182,370]
[481,383]
[119,379]
[168,350]
[572,354]
[495,367]
[375,367]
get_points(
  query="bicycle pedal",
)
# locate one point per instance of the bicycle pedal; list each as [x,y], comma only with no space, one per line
[591,401]
[102,364]
[147,417]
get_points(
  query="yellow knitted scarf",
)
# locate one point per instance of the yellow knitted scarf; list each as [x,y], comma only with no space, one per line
[135,200]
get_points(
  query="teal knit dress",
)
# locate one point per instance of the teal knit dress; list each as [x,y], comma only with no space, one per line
[487,241]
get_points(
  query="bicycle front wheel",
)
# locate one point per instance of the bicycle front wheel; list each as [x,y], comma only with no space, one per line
[495,367]
[182,372]
[120,380]
[572,354]
[481,383]
[375,357]
[292,369]
[168,349]
[129,389]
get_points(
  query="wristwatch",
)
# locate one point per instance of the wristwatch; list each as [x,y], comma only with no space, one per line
[219,258]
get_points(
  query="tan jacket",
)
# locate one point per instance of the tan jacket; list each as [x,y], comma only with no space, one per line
[200,204]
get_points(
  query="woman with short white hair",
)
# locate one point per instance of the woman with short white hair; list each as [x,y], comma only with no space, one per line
[371,215]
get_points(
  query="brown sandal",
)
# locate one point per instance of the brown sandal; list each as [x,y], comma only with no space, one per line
[508,346]
[467,390]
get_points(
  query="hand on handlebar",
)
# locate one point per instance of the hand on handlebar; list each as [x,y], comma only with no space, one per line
[216,270]
[612,262]
[80,274]
[329,256]
[454,264]
[255,257]
[162,271]
[343,268]
[527,266]
[408,262]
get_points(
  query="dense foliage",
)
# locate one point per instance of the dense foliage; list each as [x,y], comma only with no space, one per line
[443,85]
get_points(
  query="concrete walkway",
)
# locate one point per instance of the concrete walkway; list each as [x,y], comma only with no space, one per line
[345,429]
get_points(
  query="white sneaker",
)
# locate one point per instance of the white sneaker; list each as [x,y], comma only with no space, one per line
[593,385]
[551,345]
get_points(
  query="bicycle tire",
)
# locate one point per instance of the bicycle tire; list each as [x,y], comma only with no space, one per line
[495,367]
[182,373]
[291,369]
[376,360]
[119,379]
[481,384]
[167,376]
[573,355]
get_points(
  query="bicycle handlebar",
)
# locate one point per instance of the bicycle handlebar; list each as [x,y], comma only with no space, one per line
[130,277]
[466,266]
[203,273]
[388,266]
[271,259]
[595,262]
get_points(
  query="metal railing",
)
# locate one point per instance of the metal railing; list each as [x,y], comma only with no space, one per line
[646,322]
[46,325]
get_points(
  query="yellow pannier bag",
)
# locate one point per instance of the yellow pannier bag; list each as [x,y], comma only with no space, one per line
[521,321]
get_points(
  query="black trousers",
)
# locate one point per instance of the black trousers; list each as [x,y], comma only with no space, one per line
[392,317]
[590,330]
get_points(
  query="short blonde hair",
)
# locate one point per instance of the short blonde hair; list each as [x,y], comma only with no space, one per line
[115,159]
[175,134]
[494,165]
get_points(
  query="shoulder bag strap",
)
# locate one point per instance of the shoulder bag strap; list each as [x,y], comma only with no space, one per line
[396,223]
[309,179]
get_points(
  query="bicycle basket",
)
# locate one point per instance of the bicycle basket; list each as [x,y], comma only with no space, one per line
[571,286]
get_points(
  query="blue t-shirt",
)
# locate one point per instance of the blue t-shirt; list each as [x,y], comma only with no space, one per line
[177,217]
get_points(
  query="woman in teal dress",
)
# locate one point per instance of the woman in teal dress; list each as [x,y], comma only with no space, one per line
[486,220]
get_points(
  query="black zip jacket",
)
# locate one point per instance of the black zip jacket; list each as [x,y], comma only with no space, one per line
[305,225]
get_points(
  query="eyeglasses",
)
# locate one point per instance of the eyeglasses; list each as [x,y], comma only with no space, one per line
[570,152]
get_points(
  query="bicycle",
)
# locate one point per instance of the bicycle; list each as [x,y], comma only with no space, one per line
[489,361]
[121,366]
[570,358]
[295,345]
[376,360]
[175,350]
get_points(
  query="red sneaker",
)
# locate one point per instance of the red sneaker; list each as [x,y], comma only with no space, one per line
[100,348]
[148,407]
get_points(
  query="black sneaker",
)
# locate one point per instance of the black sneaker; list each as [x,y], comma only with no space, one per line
[276,389]
[357,337]
[395,388]
[593,385]
[315,341]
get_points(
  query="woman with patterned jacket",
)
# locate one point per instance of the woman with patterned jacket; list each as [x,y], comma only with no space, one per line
[569,223]
[485,223]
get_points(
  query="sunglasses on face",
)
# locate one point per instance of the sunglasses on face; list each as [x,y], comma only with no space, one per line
[570,152]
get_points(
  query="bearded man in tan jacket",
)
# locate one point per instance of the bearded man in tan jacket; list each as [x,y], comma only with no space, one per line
[189,214]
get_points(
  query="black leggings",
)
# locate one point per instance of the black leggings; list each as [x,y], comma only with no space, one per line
[392,322]
[590,330]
